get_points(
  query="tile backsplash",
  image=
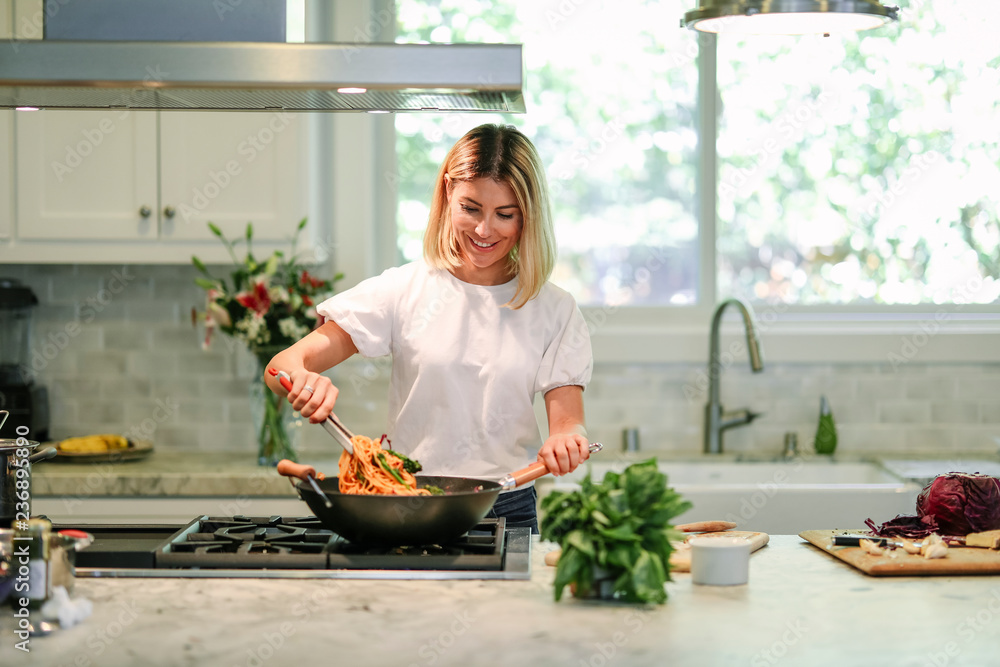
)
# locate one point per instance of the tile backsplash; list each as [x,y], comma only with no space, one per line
[116,347]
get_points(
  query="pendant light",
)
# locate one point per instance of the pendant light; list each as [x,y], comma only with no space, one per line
[787,17]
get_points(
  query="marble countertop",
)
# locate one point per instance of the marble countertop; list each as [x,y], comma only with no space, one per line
[800,607]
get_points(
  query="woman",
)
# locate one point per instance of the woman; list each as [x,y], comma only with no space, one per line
[475,330]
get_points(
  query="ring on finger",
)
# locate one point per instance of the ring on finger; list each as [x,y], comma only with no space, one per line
[309,389]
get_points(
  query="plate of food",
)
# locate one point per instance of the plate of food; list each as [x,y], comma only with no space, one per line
[101,448]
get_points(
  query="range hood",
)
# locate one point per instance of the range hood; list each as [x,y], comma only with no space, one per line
[257,76]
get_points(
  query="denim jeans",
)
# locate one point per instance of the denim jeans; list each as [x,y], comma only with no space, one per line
[519,508]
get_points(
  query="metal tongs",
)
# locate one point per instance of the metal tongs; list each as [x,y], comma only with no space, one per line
[332,425]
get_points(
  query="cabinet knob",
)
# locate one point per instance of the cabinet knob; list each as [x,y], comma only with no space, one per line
[169,211]
[145,211]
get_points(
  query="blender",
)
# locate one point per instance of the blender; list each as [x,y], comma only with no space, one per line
[27,402]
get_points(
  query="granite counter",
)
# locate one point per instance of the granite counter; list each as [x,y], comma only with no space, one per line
[801,607]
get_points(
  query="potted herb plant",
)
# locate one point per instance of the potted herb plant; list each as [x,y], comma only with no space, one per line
[615,536]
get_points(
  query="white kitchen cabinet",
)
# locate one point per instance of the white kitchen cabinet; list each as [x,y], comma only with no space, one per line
[121,186]
[231,168]
[86,174]
[157,178]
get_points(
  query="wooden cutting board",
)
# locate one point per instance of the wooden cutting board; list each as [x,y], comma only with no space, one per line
[680,560]
[960,560]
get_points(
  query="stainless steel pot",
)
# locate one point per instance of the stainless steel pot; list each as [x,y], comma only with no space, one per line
[16,457]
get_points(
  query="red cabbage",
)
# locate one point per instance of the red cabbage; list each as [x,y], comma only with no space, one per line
[962,503]
[954,504]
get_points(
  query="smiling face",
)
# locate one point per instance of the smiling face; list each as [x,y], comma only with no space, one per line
[487,222]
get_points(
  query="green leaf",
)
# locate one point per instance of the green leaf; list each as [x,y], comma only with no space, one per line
[302,224]
[623,533]
[647,579]
[623,555]
[644,483]
[215,230]
[249,233]
[198,264]
[658,542]
[617,504]
[579,541]
[611,479]
[600,517]
[206,283]
[572,568]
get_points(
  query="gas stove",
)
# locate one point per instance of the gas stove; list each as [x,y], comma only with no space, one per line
[294,548]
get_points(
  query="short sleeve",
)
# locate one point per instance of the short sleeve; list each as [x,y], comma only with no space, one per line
[568,359]
[366,312]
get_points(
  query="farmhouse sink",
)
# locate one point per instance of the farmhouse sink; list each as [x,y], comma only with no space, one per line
[784,497]
[793,474]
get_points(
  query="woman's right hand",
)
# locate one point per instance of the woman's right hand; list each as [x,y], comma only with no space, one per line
[312,395]
[323,348]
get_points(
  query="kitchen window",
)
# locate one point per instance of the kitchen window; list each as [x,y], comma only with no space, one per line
[863,169]
[621,153]
[855,186]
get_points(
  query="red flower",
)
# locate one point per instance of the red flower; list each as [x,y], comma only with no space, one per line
[309,281]
[257,299]
[306,301]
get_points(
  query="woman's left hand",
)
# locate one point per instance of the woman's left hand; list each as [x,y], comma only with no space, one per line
[563,452]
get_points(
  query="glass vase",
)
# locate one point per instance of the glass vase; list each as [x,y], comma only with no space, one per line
[276,426]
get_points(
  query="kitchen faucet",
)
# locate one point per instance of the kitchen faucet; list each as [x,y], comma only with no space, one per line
[717,421]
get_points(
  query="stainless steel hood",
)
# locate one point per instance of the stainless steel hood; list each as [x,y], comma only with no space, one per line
[256,76]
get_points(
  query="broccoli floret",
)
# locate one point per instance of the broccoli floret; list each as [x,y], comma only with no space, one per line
[409,465]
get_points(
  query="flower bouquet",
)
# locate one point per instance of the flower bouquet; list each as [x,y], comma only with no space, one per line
[268,305]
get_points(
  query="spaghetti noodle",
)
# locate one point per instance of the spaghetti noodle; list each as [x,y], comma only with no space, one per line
[372,470]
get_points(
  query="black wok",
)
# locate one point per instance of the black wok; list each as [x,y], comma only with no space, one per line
[406,520]
[403,520]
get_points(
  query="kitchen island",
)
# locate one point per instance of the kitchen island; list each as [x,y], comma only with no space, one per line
[801,607]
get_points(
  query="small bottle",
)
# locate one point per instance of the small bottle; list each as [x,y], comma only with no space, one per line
[36,584]
[826,431]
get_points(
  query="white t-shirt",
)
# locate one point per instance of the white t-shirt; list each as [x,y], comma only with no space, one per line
[465,370]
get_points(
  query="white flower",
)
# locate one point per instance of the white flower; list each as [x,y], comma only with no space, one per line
[253,329]
[278,294]
[292,329]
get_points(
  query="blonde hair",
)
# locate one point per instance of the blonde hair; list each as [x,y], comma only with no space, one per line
[503,154]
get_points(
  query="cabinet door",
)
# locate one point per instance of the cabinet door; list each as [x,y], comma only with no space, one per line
[86,174]
[231,168]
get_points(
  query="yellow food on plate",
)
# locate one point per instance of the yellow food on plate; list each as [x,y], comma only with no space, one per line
[93,444]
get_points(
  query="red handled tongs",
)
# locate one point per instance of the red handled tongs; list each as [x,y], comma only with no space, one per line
[332,425]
